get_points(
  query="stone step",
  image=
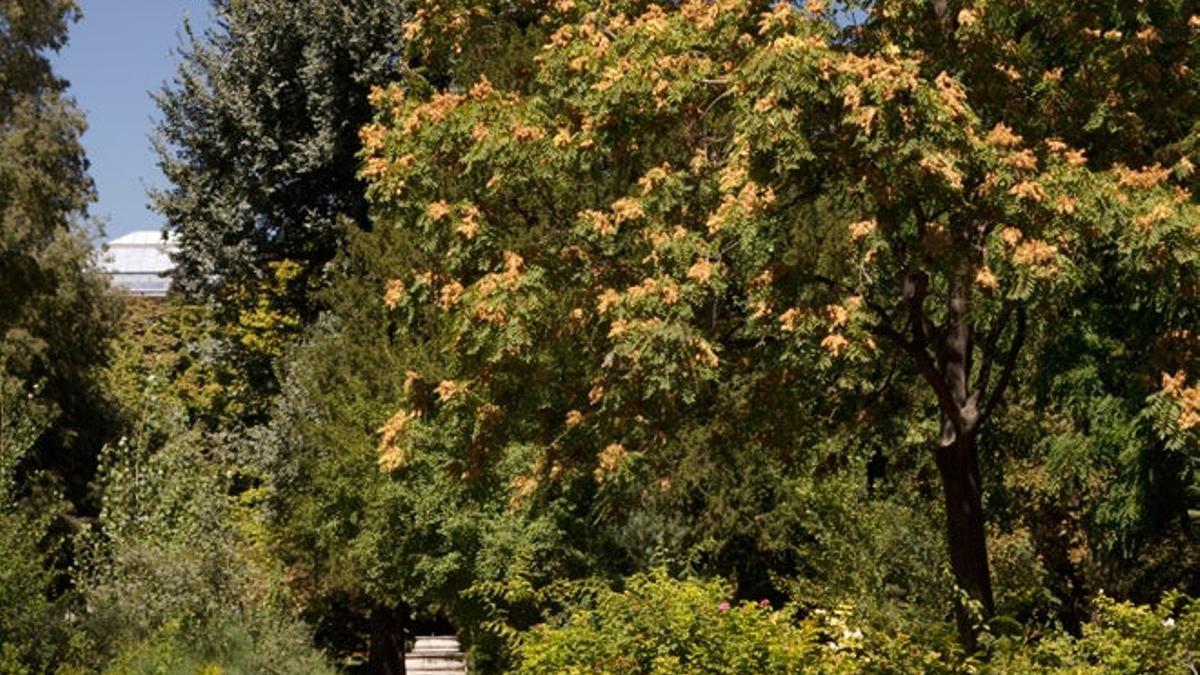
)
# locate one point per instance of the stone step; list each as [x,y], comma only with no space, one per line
[418,659]
[437,641]
[436,649]
[436,655]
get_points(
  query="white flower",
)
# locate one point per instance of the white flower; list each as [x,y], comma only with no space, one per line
[1169,622]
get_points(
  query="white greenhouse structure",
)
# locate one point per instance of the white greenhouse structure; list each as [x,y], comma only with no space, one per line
[140,263]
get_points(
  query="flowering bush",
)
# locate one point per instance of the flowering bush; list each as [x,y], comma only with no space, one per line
[1120,638]
[661,625]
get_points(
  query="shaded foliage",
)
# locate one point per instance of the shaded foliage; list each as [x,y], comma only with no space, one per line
[55,313]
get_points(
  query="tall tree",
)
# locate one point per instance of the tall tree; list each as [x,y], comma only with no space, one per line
[259,136]
[55,312]
[258,141]
[675,211]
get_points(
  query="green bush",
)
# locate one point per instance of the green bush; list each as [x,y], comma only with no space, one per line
[660,625]
[30,630]
[176,577]
[1121,638]
[253,644]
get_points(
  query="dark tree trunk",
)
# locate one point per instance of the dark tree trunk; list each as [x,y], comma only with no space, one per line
[388,626]
[958,465]
[945,355]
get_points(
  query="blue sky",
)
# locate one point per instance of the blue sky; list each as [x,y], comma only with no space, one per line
[120,52]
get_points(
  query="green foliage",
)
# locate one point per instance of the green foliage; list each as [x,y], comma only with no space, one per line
[658,625]
[238,645]
[55,319]
[678,237]
[1120,638]
[176,574]
[726,288]
[55,311]
[218,373]
[258,141]
[30,632]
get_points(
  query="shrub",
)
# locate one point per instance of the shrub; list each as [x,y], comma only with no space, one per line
[235,645]
[1120,638]
[176,576]
[660,625]
[30,633]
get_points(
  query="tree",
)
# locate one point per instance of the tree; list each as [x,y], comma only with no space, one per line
[738,208]
[258,141]
[175,575]
[29,632]
[55,311]
[378,559]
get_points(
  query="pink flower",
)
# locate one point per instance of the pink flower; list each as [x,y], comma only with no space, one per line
[764,603]
[723,607]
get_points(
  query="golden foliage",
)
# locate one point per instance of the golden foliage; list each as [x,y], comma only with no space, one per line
[862,229]
[609,460]
[985,278]
[942,165]
[1029,189]
[789,319]
[448,390]
[437,210]
[1141,179]
[469,227]
[1010,235]
[627,209]
[449,295]
[1187,398]
[834,344]
[701,271]
[1035,252]
[392,293]
[393,454]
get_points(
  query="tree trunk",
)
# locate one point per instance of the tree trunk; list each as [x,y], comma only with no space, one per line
[944,355]
[388,626]
[958,464]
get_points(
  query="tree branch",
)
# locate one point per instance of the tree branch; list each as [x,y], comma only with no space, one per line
[928,371]
[989,348]
[916,288]
[1010,365]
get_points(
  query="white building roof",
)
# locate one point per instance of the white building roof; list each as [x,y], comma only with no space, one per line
[140,262]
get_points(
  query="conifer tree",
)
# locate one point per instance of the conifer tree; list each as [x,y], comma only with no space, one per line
[258,142]
[259,136]
[55,312]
